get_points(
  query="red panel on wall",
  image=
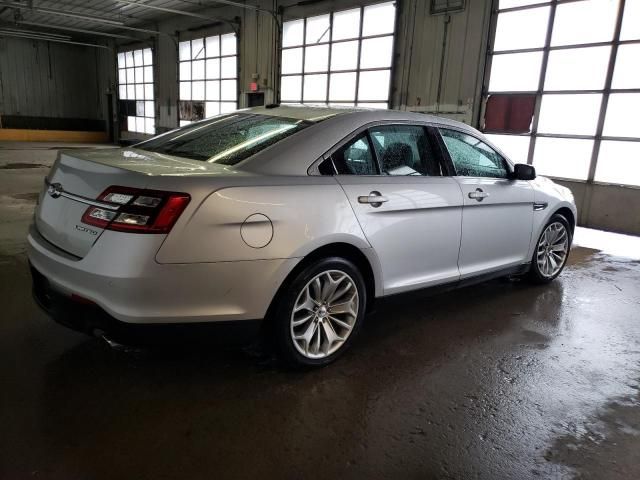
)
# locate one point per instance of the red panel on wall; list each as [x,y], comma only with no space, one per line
[509,113]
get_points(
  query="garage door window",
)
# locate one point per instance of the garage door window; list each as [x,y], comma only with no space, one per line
[208,75]
[579,60]
[340,58]
[135,91]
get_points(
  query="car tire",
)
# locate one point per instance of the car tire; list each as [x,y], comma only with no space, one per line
[553,245]
[319,312]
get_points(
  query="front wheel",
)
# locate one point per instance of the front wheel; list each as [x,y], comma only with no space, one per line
[320,312]
[552,250]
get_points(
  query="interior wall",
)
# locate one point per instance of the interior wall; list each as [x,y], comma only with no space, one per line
[51,86]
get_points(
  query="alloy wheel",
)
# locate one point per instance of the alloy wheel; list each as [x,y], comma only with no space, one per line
[552,250]
[324,314]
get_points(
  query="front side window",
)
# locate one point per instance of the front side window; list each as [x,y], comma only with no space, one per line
[404,150]
[355,158]
[227,139]
[471,157]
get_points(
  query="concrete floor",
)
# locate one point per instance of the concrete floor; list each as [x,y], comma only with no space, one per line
[503,380]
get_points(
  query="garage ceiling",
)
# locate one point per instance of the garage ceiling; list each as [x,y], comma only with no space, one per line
[82,18]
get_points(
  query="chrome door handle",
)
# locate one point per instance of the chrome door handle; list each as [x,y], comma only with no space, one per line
[478,195]
[375,199]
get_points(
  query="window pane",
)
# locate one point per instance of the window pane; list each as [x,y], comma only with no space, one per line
[292,60]
[131,92]
[185,90]
[213,68]
[148,109]
[292,33]
[316,59]
[404,150]
[317,29]
[619,162]
[212,90]
[148,59]
[584,22]
[315,88]
[197,70]
[471,157]
[140,124]
[228,44]
[149,126]
[213,46]
[121,60]
[122,76]
[122,92]
[563,157]
[577,69]
[355,158]
[631,21]
[211,109]
[521,29]
[197,48]
[622,115]
[197,91]
[228,90]
[514,146]
[376,52]
[342,87]
[185,50]
[137,58]
[344,56]
[228,67]
[139,74]
[185,71]
[148,74]
[139,91]
[346,24]
[128,59]
[140,109]
[291,88]
[627,73]
[148,91]
[377,105]
[569,114]
[379,19]
[226,107]
[374,85]
[515,72]
[130,75]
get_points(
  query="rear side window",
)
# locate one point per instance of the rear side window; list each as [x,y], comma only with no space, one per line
[355,158]
[226,139]
[472,157]
[404,150]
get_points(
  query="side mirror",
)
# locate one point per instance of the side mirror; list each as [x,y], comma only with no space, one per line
[522,171]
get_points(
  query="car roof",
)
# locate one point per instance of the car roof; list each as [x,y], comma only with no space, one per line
[294,154]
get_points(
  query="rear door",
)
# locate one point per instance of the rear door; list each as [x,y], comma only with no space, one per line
[497,217]
[410,213]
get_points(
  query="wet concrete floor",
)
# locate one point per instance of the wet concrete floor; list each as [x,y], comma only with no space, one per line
[498,381]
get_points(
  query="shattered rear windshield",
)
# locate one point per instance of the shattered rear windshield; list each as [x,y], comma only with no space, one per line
[227,139]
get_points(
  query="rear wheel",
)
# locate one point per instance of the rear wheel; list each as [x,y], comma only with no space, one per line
[320,312]
[552,250]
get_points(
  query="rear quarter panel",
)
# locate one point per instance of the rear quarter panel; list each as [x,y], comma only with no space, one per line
[303,214]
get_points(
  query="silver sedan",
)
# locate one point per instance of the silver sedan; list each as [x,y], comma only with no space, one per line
[301,216]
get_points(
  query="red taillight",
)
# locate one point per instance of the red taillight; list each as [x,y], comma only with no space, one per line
[137,211]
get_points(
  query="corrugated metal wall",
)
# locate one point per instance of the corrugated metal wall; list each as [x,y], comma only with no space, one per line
[42,79]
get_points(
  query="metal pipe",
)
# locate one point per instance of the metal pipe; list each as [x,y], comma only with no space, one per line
[79,30]
[34,32]
[173,10]
[55,40]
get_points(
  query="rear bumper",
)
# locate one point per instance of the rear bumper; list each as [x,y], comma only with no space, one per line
[121,277]
[92,320]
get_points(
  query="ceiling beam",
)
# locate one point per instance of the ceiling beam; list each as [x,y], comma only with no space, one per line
[173,10]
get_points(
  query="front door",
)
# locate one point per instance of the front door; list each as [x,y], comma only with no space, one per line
[497,217]
[409,212]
